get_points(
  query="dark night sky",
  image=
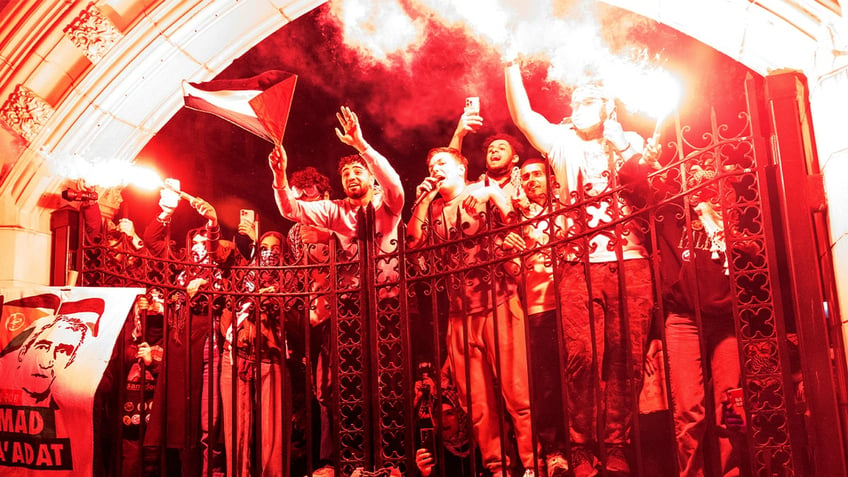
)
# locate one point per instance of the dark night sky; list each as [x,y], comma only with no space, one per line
[404,111]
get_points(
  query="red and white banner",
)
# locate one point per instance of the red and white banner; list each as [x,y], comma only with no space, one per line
[55,344]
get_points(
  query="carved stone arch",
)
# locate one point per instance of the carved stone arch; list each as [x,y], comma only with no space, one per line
[99,79]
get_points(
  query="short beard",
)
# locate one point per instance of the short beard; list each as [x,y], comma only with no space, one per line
[500,171]
[357,195]
[540,199]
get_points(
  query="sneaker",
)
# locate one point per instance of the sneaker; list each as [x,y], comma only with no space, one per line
[326,471]
[529,473]
[557,465]
[584,462]
[617,461]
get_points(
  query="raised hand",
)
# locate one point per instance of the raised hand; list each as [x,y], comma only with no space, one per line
[351,133]
[277,161]
[470,121]
[206,210]
[614,133]
[651,155]
[169,198]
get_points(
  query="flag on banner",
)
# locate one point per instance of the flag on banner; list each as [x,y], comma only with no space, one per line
[259,104]
[89,308]
[19,313]
[60,341]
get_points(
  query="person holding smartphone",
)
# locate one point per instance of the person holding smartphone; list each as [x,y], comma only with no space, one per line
[447,431]
[503,152]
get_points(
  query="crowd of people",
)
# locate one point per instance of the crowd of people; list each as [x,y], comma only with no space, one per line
[551,292]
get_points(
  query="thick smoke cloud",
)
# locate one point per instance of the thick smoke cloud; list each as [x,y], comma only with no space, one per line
[406,67]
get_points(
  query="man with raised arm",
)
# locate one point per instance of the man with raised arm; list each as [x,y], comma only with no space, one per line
[592,156]
[359,173]
[503,152]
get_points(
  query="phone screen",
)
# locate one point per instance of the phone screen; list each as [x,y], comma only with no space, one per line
[428,440]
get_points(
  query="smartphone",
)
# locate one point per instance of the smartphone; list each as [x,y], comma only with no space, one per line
[428,440]
[736,398]
[472,105]
[248,216]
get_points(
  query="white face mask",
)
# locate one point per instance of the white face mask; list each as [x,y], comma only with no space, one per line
[587,113]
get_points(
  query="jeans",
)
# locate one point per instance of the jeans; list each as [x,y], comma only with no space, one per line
[686,372]
[210,423]
[548,413]
[619,344]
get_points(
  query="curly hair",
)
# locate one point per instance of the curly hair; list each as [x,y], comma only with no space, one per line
[352,159]
[310,176]
[517,148]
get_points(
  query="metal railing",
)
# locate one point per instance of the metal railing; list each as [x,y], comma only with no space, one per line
[382,326]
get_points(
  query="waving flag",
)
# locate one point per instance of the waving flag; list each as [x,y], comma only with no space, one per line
[259,104]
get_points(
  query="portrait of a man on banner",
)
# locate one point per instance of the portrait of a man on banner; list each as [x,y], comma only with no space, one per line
[55,345]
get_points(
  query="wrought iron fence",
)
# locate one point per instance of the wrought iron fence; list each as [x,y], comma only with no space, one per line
[701,212]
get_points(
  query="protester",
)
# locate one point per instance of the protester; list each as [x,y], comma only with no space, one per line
[605,286]
[360,174]
[252,368]
[698,304]
[461,213]
[450,424]
[532,240]
[309,244]
[185,429]
[142,359]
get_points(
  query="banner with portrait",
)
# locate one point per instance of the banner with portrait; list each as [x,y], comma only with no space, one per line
[55,344]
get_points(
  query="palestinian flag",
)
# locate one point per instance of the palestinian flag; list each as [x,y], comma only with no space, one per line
[259,104]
